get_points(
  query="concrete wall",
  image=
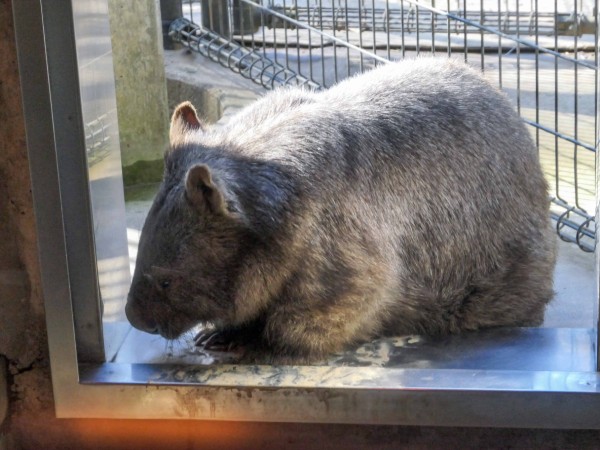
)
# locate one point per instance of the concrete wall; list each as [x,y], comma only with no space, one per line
[22,322]
[138,61]
[31,423]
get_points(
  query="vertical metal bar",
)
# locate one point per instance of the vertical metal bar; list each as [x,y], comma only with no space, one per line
[275,52]
[323,83]
[374,27]
[404,20]
[298,60]
[262,27]
[252,39]
[537,74]
[481,35]
[310,49]
[335,57]
[360,31]
[387,27]
[465,43]
[576,106]
[240,20]
[285,33]
[449,49]
[263,46]
[418,30]
[556,93]
[347,37]
[433,20]
[500,44]
[169,11]
[229,13]
[518,45]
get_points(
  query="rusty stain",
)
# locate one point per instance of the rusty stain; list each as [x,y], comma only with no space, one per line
[187,402]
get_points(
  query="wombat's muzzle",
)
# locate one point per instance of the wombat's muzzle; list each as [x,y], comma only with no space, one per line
[138,321]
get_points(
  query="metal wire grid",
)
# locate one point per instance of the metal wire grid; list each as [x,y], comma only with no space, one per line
[544,57]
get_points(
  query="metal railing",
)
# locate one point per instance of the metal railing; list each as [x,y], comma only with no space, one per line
[543,57]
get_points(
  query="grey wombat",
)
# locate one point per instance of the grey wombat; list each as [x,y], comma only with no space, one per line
[405,200]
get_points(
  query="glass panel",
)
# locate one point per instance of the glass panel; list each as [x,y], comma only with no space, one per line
[99,111]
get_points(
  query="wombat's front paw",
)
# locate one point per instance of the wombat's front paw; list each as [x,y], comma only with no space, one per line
[229,339]
[217,340]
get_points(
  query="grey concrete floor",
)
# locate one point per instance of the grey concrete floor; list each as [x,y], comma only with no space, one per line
[574,303]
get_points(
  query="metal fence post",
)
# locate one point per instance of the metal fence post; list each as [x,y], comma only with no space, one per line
[229,17]
[215,17]
[246,19]
[169,11]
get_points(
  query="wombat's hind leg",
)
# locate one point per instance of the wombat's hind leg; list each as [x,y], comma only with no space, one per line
[515,296]
[311,336]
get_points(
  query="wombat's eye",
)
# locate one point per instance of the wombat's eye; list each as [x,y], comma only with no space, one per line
[164,284]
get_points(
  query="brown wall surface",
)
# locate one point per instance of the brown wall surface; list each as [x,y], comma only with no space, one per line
[22,325]
[31,423]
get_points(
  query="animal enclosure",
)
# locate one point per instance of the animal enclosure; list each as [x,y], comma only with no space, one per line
[541,53]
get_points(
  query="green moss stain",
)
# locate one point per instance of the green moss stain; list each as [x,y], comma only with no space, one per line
[143,172]
[141,192]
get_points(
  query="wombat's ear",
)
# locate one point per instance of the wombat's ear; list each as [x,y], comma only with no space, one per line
[184,120]
[202,191]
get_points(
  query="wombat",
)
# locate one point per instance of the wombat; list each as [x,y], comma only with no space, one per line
[407,200]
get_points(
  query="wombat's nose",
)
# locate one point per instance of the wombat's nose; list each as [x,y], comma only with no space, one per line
[138,321]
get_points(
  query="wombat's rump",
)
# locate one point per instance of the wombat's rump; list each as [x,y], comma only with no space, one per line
[406,200]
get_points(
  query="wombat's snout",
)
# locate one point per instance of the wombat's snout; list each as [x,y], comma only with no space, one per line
[138,321]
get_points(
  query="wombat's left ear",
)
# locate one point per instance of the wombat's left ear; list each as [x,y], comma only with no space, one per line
[203,192]
[184,120]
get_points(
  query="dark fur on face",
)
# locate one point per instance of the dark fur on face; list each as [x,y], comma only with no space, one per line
[406,200]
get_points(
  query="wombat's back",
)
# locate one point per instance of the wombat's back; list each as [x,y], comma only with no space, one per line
[427,165]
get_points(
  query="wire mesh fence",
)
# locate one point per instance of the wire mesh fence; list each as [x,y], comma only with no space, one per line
[542,53]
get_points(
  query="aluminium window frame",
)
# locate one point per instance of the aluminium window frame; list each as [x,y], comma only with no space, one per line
[371,395]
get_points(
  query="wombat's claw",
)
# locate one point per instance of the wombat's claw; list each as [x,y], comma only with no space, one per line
[205,339]
[215,340]
[202,337]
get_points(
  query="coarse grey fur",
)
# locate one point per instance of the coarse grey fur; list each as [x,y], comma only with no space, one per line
[409,199]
